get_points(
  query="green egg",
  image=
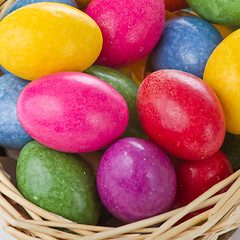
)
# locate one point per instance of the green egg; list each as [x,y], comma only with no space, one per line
[59,182]
[128,89]
[223,12]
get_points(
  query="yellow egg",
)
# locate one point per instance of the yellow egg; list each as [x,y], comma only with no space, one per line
[222,73]
[44,38]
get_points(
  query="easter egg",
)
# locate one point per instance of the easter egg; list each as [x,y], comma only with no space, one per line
[174,5]
[59,182]
[217,11]
[196,177]
[181,113]
[72,112]
[224,30]
[135,179]
[222,73]
[130,29]
[128,89]
[48,47]
[12,134]
[186,44]
[22,3]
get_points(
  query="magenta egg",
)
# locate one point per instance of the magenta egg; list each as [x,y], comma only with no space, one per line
[72,112]
[182,114]
[130,29]
[136,179]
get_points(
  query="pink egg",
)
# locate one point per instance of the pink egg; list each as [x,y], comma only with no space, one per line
[72,112]
[130,29]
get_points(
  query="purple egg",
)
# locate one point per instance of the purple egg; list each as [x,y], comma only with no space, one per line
[72,112]
[136,180]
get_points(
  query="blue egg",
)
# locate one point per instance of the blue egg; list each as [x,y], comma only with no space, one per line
[186,44]
[3,70]
[12,134]
[22,3]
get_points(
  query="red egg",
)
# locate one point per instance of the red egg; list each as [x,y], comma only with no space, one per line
[196,177]
[181,113]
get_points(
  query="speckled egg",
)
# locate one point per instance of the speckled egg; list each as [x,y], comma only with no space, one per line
[186,44]
[130,29]
[136,179]
[72,112]
[59,182]
[12,134]
[46,37]
[181,114]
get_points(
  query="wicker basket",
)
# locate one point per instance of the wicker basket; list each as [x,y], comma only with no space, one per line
[26,221]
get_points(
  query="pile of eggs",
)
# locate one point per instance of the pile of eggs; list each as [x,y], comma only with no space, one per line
[89,135]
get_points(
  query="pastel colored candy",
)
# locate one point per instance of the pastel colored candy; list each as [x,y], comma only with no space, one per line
[217,11]
[128,89]
[12,134]
[136,179]
[222,73]
[48,47]
[186,44]
[59,182]
[22,3]
[181,113]
[130,29]
[72,112]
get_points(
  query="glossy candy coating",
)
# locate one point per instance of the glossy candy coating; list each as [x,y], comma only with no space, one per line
[12,134]
[181,114]
[22,3]
[48,47]
[135,179]
[217,11]
[59,182]
[130,29]
[128,89]
[186,44]
[72,112]
[222,73]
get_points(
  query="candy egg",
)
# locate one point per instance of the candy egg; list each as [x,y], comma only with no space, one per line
[12,134]
[181,113]
[59,182]
[72,112]
[135,179]
[218,11]
[33,43]
[222,73]
[130,29]
[186,44]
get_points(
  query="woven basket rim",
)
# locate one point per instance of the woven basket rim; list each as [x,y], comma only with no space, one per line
[222,217]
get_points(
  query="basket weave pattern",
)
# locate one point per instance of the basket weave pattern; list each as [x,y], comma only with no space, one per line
[33,223]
